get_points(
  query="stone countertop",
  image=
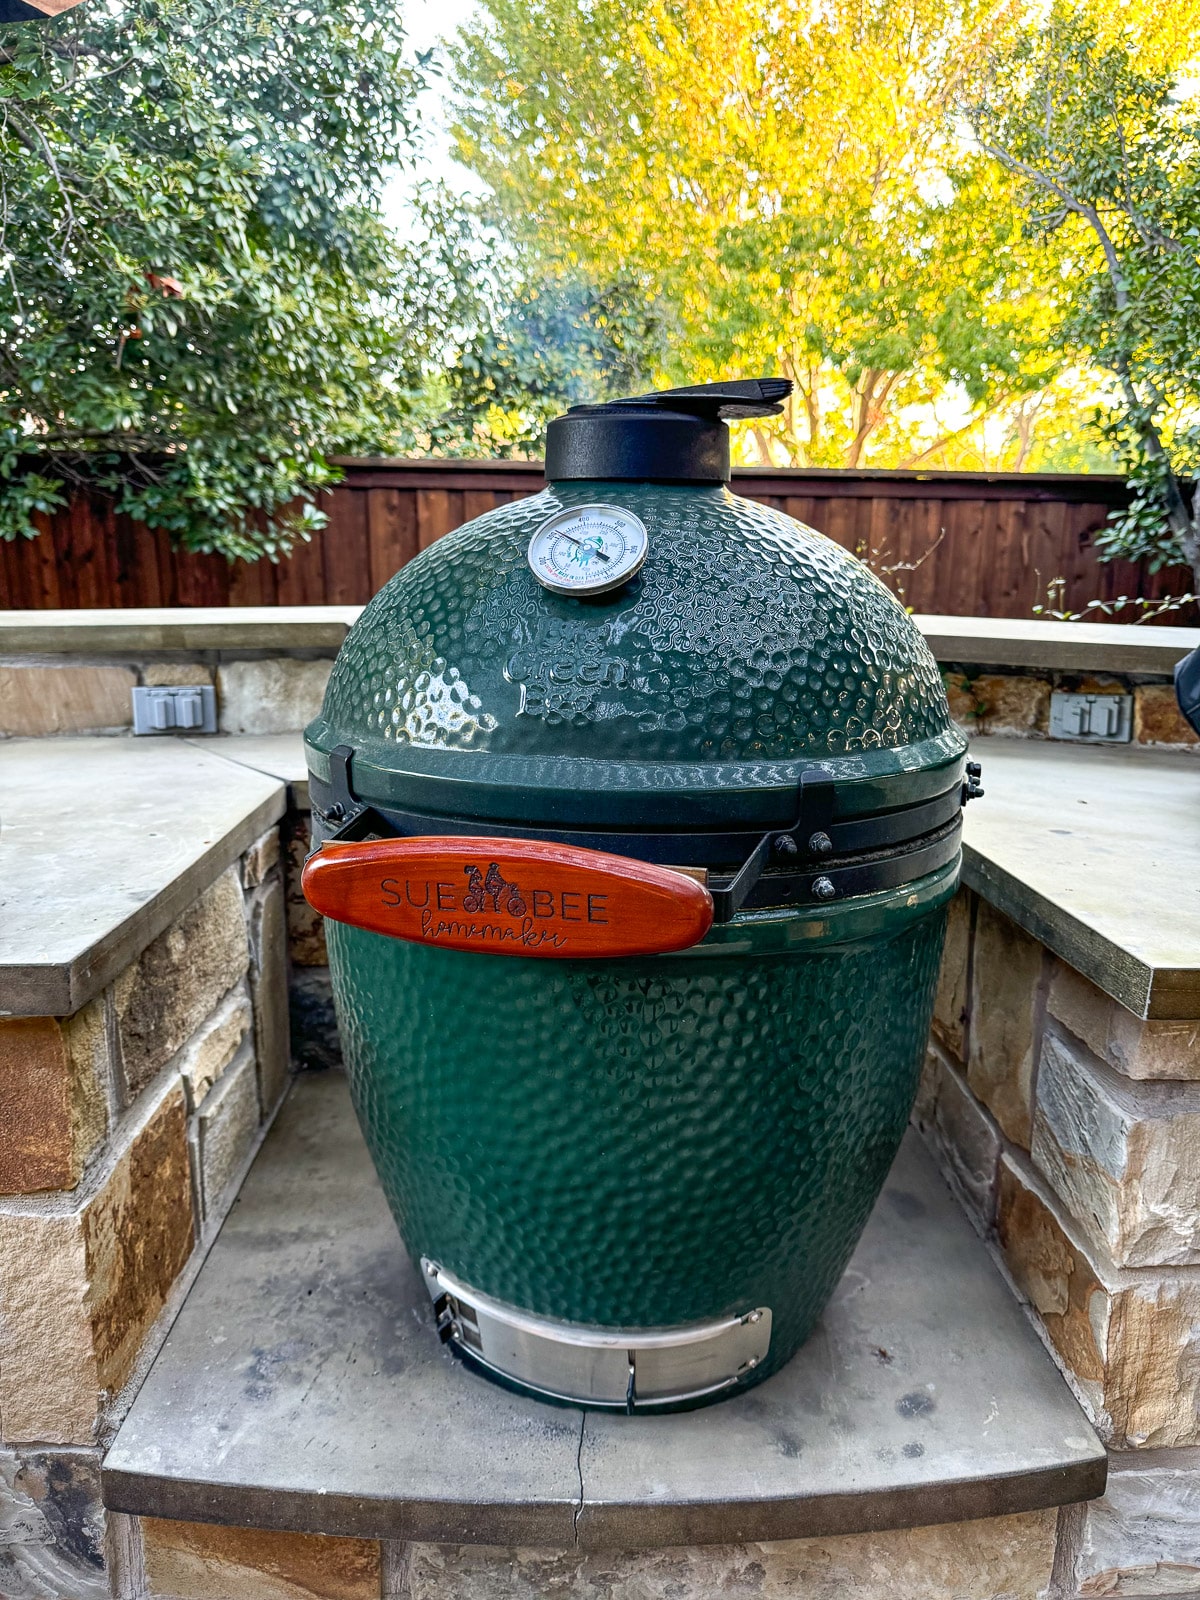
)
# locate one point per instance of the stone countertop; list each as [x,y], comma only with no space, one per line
[103,842]
[1056,646]
[138,630]
[969,641]
[303,1386]
[1095,851]
[279,755]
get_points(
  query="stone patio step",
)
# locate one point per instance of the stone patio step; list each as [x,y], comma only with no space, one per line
[303,1386]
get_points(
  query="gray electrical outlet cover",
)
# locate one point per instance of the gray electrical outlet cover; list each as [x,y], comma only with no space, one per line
[187,708]
[1091,718]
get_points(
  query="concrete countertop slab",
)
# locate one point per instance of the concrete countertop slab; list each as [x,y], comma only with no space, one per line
[1056,646]
[972,641]
[1096,852]
[103,842]
[303,1386]
[279,755]
[139,629]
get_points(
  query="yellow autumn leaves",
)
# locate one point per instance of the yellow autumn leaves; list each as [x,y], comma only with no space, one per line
[793,182]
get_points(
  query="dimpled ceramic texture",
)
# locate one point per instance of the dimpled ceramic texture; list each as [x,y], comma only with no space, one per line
[746,638]
[641,1143]
[651,1142]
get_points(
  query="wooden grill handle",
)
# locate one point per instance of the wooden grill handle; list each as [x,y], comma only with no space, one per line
[519,897]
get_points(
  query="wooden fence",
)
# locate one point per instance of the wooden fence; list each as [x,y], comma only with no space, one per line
[966,544]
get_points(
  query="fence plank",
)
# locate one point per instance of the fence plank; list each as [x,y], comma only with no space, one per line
[966,539]
[391,533]
[136,571]
[477,502]
[820,514]
[959,543]
[83,538]
[799,506]
[438,512]
[203,581]
[31,571]
[252,583]
[1000,536]
[300,576]
[347,552]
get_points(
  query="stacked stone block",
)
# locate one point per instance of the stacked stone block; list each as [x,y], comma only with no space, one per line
[1016,704]
[1070,1130]
[260,694]
[125,1131]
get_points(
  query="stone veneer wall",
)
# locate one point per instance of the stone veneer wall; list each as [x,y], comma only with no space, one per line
[259,694]
[126,1129]
[265,693]
[1070,1131]
[1016,704]
[1001,1558]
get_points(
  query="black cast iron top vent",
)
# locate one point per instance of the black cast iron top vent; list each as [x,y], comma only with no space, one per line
[668,436]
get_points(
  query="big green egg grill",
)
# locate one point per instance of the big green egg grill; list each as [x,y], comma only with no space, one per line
[636,812]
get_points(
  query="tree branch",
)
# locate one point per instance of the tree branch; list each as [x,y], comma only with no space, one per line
[1147,232]
[12,112]
[1180,521]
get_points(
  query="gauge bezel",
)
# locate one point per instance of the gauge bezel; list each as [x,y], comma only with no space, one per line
[588,588]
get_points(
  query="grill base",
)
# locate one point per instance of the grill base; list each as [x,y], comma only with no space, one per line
[612,1368]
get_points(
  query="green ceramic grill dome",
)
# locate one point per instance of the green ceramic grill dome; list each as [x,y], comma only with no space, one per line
[631,1151]
[747,645]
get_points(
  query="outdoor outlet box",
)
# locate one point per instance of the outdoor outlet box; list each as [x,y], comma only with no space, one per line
[190,708]
[1104,718]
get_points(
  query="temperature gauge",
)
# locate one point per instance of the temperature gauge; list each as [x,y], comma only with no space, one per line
[587,550]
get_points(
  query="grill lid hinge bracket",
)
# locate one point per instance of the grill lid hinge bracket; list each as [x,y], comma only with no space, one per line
[352,819]
[817,791]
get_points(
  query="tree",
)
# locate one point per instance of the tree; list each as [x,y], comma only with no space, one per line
[198,298]
[1085,114]
[512,349]
[787,180]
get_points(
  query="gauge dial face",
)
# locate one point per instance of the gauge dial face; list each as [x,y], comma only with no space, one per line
[587,550]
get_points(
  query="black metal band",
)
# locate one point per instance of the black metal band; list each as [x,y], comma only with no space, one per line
[840,879]
[664,847]
[814,861]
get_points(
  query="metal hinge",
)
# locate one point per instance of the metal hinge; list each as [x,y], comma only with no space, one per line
[351,818]
[807,837]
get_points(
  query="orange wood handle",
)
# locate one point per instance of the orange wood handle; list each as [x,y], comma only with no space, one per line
[519,897]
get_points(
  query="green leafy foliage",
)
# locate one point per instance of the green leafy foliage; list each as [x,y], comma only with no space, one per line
[199,302]
[786,181]
[1084,113]
[509,345]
